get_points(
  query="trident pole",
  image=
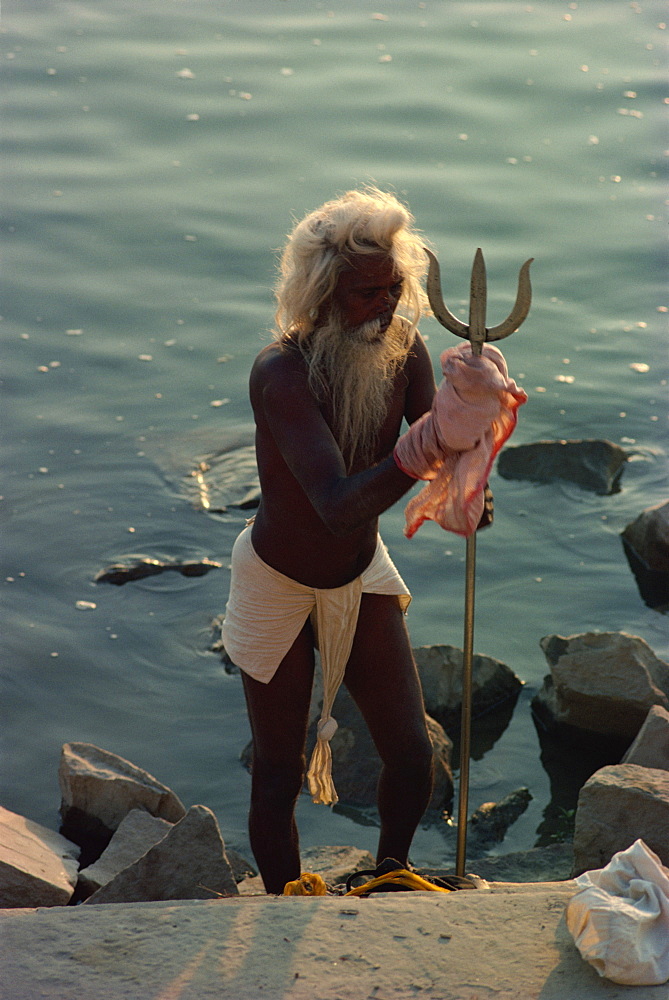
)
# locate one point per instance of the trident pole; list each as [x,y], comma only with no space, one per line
[477,334]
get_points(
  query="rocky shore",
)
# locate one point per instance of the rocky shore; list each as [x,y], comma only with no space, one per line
[127,839]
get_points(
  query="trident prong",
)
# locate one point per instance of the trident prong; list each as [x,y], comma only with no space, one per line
[476,331]
[477,334]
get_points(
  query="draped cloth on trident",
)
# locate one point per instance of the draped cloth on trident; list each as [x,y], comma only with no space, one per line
[454,444]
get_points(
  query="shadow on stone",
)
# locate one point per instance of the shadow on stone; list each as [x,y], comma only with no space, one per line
[569,757]
[653,584]
[495,687]
[486,730]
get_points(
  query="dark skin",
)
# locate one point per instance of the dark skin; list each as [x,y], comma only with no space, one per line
[318,524]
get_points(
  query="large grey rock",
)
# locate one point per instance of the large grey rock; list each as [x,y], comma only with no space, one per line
[648,535]
[651,746]
[335,864]
[99,789]
[37,866]
[440,670]
[594,465]
[601,682]
[188,863]
[137,833]
[616,806]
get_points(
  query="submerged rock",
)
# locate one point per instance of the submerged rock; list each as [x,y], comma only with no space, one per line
[601,682]
[138,568]
[595,465]
[616,806]
[440,668]
[37,866]
[99,789]
[489,823]
[188,863]
[214,467]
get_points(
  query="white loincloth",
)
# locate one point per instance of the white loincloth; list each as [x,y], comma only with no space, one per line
[267,610]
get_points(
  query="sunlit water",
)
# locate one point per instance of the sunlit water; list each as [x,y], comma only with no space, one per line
[155,155]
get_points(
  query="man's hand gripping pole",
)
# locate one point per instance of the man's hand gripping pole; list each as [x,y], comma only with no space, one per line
[477,334]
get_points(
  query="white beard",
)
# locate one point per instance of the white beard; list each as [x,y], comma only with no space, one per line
[354,368]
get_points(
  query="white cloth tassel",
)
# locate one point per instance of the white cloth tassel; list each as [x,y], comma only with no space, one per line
[321,785]
[336,621]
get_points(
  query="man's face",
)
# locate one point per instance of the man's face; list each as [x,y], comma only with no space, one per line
[368,292]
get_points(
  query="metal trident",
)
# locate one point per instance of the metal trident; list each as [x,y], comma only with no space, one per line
[477,334]
[476,331]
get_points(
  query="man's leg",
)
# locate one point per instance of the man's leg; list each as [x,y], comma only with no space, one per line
[279,714]
[382,678]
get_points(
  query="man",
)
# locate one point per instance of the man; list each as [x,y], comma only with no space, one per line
[329,396]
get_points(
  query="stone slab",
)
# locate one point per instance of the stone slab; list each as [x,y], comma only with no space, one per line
[37,865]
[510,945]
[136,834]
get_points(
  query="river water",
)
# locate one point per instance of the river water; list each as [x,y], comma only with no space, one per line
[155,156]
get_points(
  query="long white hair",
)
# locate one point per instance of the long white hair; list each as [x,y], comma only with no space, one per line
[321,246]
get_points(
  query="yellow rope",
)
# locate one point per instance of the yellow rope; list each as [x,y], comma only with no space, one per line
[410,880]
[309,884]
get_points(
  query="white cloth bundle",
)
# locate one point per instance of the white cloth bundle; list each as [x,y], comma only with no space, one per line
[620,918]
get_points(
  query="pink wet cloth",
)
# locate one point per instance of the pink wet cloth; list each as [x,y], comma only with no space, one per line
[454,444]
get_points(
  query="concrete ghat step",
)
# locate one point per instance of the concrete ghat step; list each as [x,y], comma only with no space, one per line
[507,941]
